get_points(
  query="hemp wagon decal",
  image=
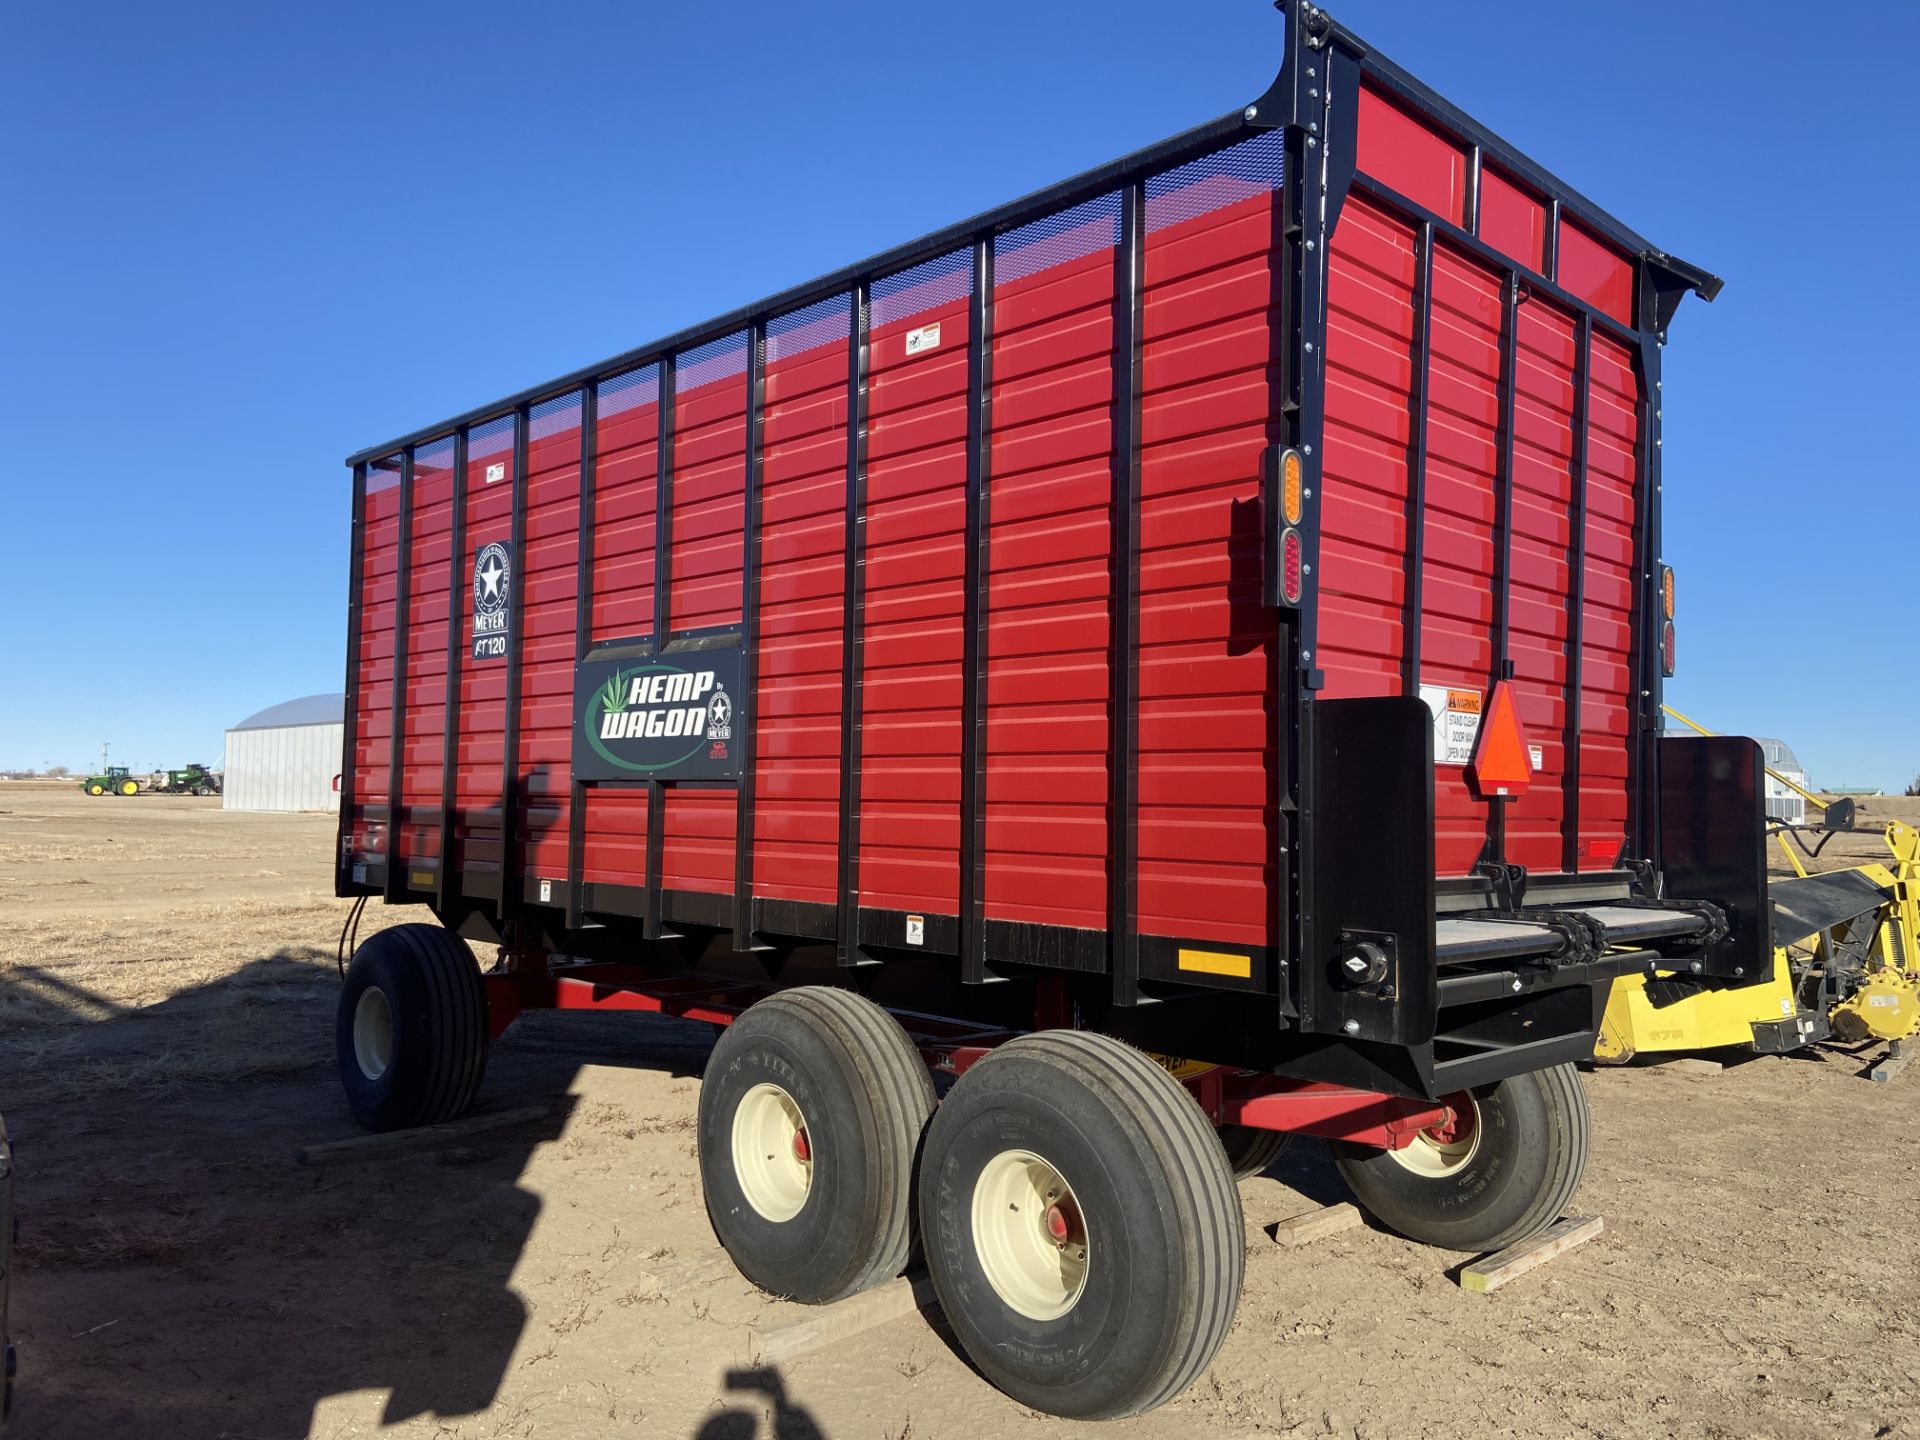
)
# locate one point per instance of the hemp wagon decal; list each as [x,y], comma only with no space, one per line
[658,718]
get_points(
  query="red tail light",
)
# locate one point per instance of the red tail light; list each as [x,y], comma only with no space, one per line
[1666,648]
[1291,571]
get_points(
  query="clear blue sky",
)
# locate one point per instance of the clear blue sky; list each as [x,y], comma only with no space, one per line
[238,241]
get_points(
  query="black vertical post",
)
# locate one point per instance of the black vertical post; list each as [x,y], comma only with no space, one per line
[853,637]
[1319,178]
[1470,216]
[1643,821]
[662,613]
[1576,594]
[582,641]
[1550,244]
[447,881]
[510,879]
[356,560]
[973,683]
[1417,402]
[1496,846]
[395,878]
[1123,933]
[749,628]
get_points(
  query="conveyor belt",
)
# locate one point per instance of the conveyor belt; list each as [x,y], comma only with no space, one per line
[1462,940]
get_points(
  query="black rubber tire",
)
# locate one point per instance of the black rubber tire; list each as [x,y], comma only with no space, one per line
[1533,1139]
[1161,1216]
[1251,1152]
[438,1004]
[865,1095]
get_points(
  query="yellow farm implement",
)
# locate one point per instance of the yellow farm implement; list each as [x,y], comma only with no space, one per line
[1846,960]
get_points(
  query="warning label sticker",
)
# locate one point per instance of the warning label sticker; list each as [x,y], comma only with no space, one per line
[1456,722]
[927,337]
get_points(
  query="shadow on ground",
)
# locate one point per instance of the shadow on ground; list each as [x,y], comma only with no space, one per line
[158,1192]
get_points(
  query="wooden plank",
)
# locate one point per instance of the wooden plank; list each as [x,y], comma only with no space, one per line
[1495,1270]
[839,1321]
[400,1142]
[1317,1224]
[1896,1060]
[1689,1065]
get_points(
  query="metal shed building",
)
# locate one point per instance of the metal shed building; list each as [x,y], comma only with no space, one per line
[287,757]
[1783,804]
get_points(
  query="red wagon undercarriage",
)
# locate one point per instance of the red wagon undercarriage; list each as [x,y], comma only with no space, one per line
[1229,1097]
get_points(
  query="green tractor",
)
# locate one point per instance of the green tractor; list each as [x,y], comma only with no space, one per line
[194,780]
[114,780]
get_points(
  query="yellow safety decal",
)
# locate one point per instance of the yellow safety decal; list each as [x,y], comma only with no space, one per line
[1180,1067]
[421,879]
[1215,962]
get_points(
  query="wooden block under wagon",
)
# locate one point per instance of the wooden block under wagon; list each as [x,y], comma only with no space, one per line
[842,1319]
[399,1142]
[1495,1270]
[1317,1224]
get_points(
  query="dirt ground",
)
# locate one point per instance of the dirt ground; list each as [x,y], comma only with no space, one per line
[167,986]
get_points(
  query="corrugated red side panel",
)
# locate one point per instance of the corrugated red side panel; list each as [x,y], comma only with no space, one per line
[483,683]
[915,569]
[1512,221]
[424,712]
[1606,652]
[549,571]
[1049,682]
[370,747]
[626,473]
[1208,827]
[801,616]
[707,528]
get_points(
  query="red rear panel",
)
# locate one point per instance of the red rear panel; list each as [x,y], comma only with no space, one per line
[1468,565]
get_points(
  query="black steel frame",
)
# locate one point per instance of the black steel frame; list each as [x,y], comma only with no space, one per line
[1314,101]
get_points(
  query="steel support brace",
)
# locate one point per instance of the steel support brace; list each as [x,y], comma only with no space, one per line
[356,582]
[973,683]
[1576,596]
[447,881]
[1417,405]
[655,921]
[1644,822]
[853,638]
[1496,843]
[1129,284]
[1311,1107]
[582,641]
[749,626]
[396,877]
[508,902]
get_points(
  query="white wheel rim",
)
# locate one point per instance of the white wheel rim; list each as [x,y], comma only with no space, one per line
[1436,1156]
[373,1032]
[1030,1234]
[772,1153]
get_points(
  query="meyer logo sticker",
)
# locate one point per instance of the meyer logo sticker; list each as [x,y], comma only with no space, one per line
[492,599]
[660,717]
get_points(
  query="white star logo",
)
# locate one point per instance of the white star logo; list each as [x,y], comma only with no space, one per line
[490,577]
